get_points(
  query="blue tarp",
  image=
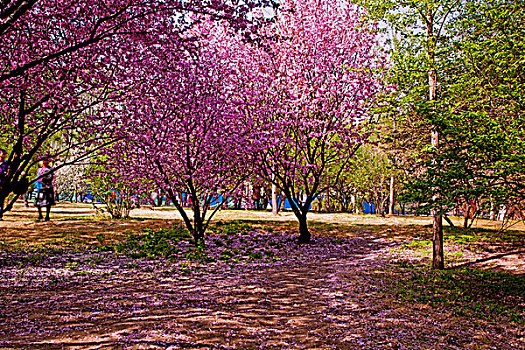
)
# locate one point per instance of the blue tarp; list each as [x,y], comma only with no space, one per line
[368,208]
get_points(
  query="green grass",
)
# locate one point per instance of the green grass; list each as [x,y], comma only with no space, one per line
[482,294]
[418,244]
[229,228]
[468,236]
[150,243]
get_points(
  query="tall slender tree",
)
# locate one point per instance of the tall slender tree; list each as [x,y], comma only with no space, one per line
[484,133]
[418,35]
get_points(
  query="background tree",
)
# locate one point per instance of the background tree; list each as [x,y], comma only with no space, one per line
[367,180]
[71,181]
[480,162]
[485,135]
[113,193]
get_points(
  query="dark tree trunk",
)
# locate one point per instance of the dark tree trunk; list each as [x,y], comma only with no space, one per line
[2,200]
[198,236]
[474,216]
[159,199]
[438,261]
[198,231]
[447,219]
[304,233]
[195,229]
[391,197]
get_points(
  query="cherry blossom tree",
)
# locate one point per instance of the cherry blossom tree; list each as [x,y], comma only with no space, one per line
[318,79]
[59,61]
[182,125]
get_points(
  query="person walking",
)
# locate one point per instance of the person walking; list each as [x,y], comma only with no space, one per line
[45,195]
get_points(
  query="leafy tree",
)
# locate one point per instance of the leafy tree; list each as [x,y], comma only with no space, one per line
[486,131]
[69,181]
[368,179]
[471,55]
[118,194]
[420,49]
[481,157]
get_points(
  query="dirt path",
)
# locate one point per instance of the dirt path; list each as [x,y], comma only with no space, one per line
[324,304]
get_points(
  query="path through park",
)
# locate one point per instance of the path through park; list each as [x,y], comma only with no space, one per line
[255,289]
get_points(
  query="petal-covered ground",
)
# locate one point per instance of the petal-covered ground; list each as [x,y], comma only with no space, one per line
[253,287]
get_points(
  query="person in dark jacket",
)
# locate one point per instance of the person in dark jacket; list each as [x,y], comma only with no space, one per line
[45,195]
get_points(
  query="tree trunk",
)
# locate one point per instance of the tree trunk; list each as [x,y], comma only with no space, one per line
[195,229]
[391,197]
[383,206]
[437,219]
[304,233]
[391,204]
[466,214]
[198,236]
[2,201]
[159,198]
[198,221]
[438,261]
[274,200]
